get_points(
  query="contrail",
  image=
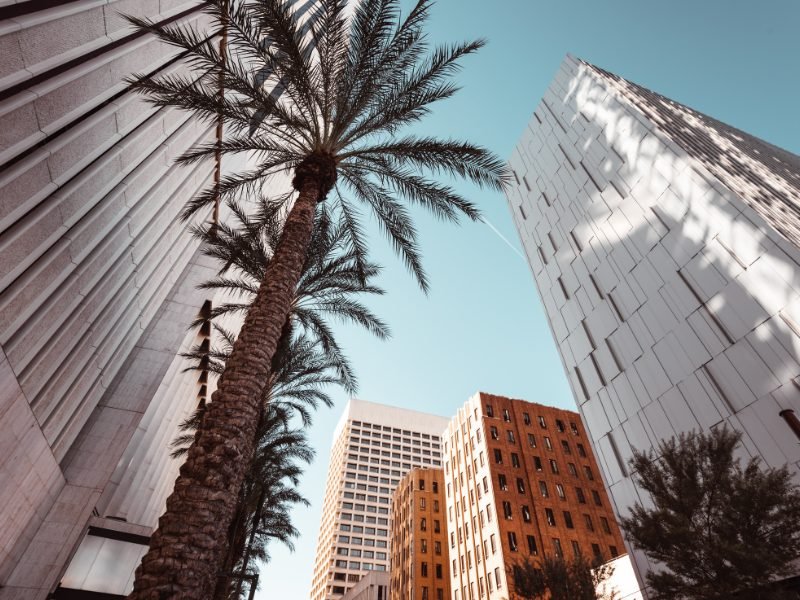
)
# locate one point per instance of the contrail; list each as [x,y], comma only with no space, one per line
[502,237]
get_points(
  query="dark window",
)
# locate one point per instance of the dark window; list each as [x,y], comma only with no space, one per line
[507,510]
[501,480]
[543,489]
[489,410]
[588,471]
[554,466]
[423,568]
[596,498]
[493,432]
[510,435]
[604,525]
[588,521]
[573,427]
[581,496]
[531,440]
[526,514]
[532,549]
[568,520]
[422,485]
[557,547]
[551,518]
[526,418]
[565,447]
[438,571]
[498,457]
[537,463]
[512,541]
[520,485]
[435,485]
[514,460]
[542,422]
[506,416]
[572,470]
[559,426]
[596,551]
[581,450]
[547,443]
[613,551]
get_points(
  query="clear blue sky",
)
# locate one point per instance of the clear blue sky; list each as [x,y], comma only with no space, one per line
[482,327]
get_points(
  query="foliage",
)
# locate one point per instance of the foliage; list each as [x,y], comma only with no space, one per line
[327,85]
[555,578]
[720,528]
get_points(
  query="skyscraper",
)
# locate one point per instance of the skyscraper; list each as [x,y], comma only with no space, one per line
[374,446]
[419,555]
[664,245]
[521,482]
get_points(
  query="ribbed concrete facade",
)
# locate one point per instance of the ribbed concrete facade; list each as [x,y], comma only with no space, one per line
[97,282]
[374,446]
[664,248]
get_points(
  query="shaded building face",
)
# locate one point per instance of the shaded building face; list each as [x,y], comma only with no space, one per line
[419,555]
[520,481]
[664,245]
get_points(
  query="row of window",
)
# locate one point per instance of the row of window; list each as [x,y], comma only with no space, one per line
[526,419]
[378,439]
[366,498]
[548,443]
[360,529]
[465,590]
[356,553]
[404,432]
[344,564]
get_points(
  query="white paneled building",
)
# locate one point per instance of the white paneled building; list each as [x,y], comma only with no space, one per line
[374,445]
[664,245]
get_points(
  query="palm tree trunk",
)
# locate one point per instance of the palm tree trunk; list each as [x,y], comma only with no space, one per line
[186,550]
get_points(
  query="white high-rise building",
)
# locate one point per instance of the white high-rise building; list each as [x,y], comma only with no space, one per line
[374,445]
[665,248]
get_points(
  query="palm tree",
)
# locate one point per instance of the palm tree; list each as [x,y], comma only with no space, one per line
[307,363]
[348,86]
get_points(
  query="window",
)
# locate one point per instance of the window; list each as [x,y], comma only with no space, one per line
[572,470]
[423,524]
[493,433]
[542,423]
[501,480]
[576,549]
[613,551]
[537,463]
[512,541]
[422,503]
[526,418]
[557,547]
[551,518]
[506,416]
[493,543]
[573,427]
[510,436]
[489,410]
[532,549]
[596,498]
[514,460]
[498,457]
[547,443]
[581,496]
[520,485]
[559,426]
[554,466]
[422,485]
[565,447]
[452,539]
[438,571]
[531,440]
[424,591]
[605,526]
[588,472]
[568,520]
[596,551]
[497,579]
[507,510]
[526,514]
[543,489]
[485,486]
[423,569]
[581,450]
[423,546]
[436,526]
[437,548]
[588,521]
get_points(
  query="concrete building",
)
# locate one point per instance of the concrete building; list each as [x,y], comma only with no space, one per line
[372,586]
[664,245]
[374,446]
[521,481]
[419,554]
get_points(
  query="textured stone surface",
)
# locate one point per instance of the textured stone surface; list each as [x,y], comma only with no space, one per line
[681,261]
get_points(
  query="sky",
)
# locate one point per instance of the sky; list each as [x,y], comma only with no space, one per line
[482,327]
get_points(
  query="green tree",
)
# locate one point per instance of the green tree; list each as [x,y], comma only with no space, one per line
[348,85]
[555,578]
[719,528]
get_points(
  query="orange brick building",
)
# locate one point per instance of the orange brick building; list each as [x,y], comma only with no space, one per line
[520,480]
[419,556]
